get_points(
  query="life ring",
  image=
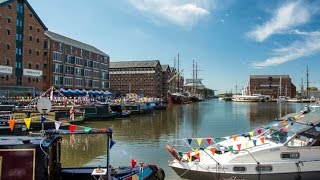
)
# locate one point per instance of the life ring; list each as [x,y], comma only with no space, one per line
[173,152]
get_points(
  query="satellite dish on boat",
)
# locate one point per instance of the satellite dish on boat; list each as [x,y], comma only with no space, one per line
[44,105]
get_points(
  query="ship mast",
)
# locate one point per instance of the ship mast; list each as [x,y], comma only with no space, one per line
[307,82]
[193,78]
[178,75]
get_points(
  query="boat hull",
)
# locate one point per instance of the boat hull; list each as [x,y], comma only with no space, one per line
[192,174]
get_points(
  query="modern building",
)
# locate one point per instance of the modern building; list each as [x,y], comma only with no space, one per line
[272,85]
[71,64]
[21,48]
[140,77]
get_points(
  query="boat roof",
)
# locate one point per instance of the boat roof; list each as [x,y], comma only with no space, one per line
[30,140]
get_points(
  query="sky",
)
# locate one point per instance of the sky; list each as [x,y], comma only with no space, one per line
[229,39]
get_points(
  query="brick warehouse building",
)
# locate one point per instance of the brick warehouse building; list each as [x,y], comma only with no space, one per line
[272,85]
[21,48]
[140,77]
[73,64]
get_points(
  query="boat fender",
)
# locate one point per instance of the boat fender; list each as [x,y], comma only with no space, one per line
[173,152]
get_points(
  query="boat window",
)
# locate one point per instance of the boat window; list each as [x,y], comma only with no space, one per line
[264,168]
[290,155]
[239,168]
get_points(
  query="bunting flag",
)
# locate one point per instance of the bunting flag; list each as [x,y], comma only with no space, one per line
[72,127]
[254,142]
[234,137]
[296,117]
[246,144]
[27,121]
[230,148]
[217,139]
[259,131]
[276,134]
[196,151]
[262,140]
[284,122]
[51,94]
[287,126]
[180,154]
[57,125]
[251,133]
[11,123]
[197,156]
[133,163]
[209,140]
[43,119]
[87,129]
[199,140]
[239,146]
[112,142]
[213,150]
[189,141]
[188,155]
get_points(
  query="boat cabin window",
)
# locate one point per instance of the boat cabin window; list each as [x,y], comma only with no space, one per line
[263,168]
[239,169]
[290,155]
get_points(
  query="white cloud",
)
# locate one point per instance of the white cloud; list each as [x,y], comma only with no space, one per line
[287,16]
[308,46]
[185,14]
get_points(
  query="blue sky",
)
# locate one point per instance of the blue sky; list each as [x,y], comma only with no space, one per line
[230,39]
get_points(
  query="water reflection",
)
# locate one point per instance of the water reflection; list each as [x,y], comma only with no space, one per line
[143,137]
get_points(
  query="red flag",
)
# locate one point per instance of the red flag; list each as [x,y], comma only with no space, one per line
[72,127]
[197,156]
[239,146]
[209,140]
[259,131]
[133,163]
[188,154]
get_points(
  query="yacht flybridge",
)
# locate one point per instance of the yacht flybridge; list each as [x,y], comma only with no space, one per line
[287,148]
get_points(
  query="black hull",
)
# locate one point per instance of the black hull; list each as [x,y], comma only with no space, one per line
[190,174]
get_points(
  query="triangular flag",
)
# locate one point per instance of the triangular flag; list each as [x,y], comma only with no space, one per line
[251,133]
[199,140]
[189,141]
[213,150]
[209,140]
[197,156]
[112,142]
[246,144]
[254,142]
[133,163]
[259,131]
[287,126]
[217,139]
[27,121]
[11,123]
[43,119]
[188,155]
[284,122]
[262,140]
[234,137]
[180,154]
[230,148]
[57,124]
[72,127]
[196,151]
[239,146]
[87,129]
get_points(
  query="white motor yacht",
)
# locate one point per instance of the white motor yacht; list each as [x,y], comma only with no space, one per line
[284,149]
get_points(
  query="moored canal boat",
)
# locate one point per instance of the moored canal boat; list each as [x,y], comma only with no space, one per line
[286,149]
[39,157]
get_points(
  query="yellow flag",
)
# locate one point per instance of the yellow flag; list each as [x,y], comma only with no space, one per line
[27,121]
[199,140]
[196,151]
[251,133]
[246,144]
[287,126]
